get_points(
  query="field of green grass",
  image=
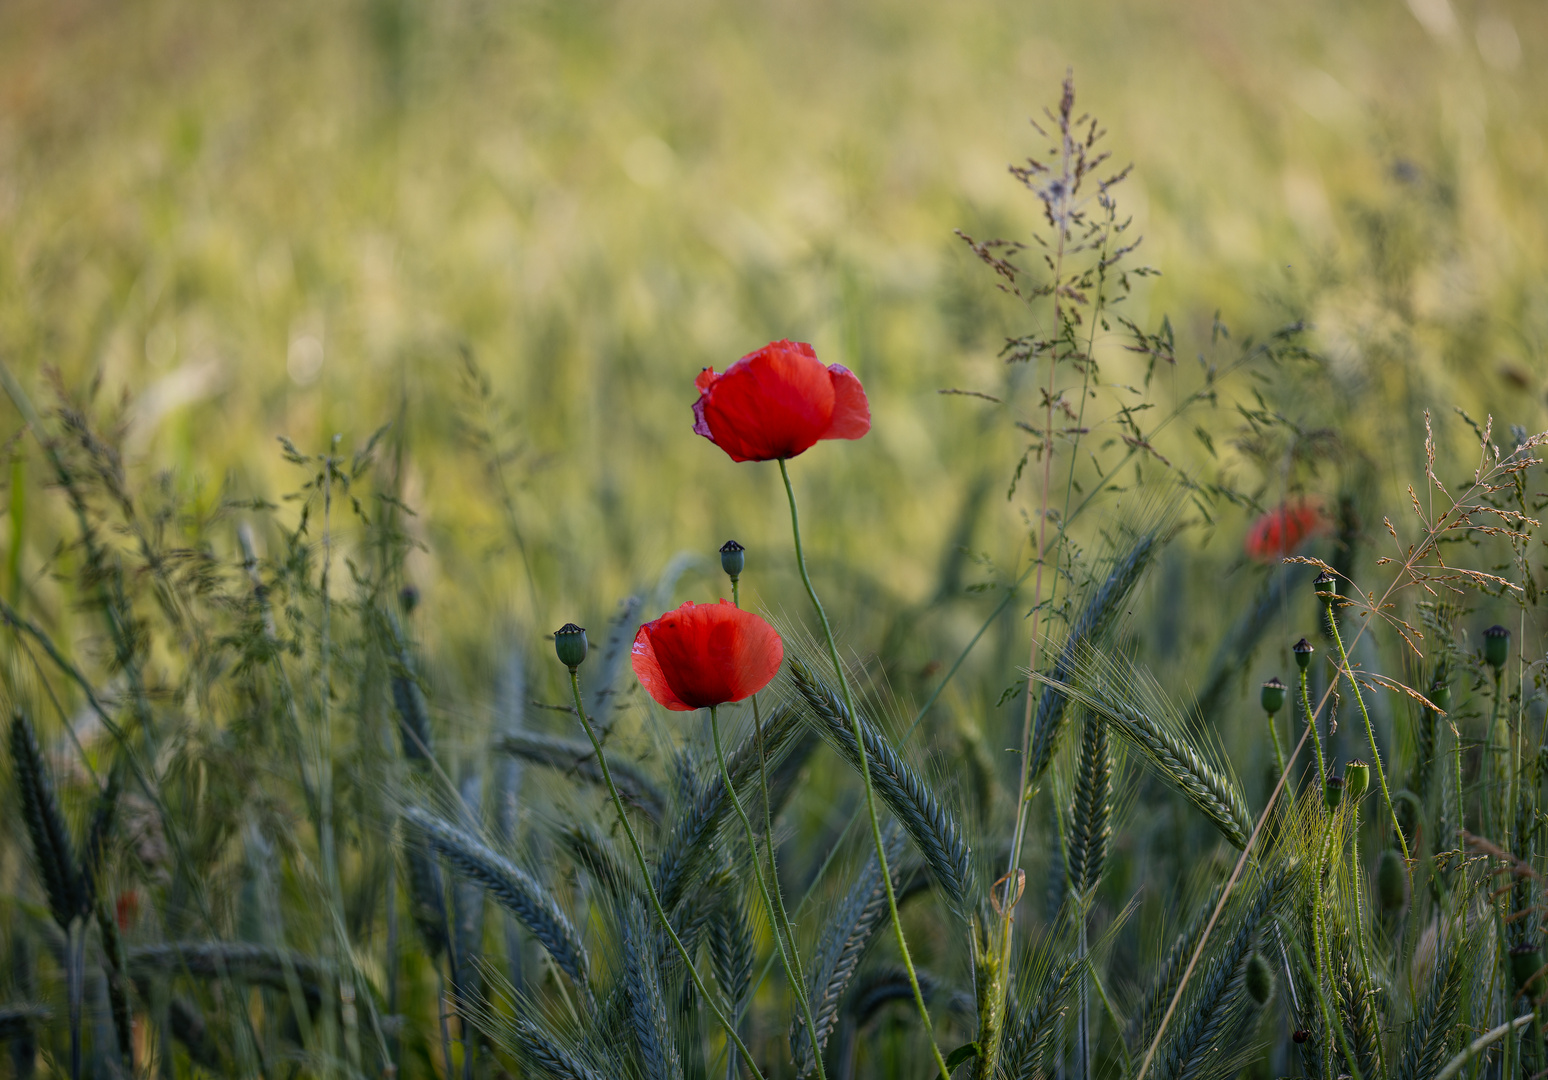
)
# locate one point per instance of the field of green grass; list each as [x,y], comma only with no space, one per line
[349,349]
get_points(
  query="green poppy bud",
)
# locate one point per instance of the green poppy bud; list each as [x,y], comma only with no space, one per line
[570,645]
[408,599]
[1303,653]
[1357,778]
[732,558]
[1391,881]
[1259,978]
[1327,587]
[1273,697]
[1333,791]
[1496,647]
[1526,964]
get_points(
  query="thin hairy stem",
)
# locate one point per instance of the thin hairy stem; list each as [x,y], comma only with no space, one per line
[1370,732]
[865,776]
[650,888]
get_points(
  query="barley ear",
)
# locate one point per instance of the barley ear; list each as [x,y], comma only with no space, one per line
[647,998]
[53,853]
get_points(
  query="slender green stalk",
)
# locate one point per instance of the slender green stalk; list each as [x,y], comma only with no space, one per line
[865,776]
[1370,732]
[650,888]
[1359,911]
[1490,770]
[1320,947]
[797,984]
[1279,750]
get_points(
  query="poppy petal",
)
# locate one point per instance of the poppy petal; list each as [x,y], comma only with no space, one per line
[773,403]
[851,410]
[702,655]
[648,670]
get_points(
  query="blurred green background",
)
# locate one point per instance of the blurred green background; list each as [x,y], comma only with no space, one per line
[300,219]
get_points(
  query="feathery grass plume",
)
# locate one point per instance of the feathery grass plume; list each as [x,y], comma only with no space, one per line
[693,836]
[844,941]
[1138,708]
[578,759]
[1168,973]
[1354,998]
[604,672]
[932,827]
[1030,1030]
[731,948]
[1213,1016]
[1101,607]
[407,696]
[1429,1040]
[544,1054]
[594,852]
[513,888]
[1090,809]
[1240,642]
[260,965]
[647,998]
[53,853]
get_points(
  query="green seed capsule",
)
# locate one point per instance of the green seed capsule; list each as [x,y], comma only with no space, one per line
[1496,647]
[1273,696]
[1440,694]
[1259,978]
[1391,881]
[1327,587]
[1303,653]
[1333,791]
[733,557]
[1357,778]
[570,645]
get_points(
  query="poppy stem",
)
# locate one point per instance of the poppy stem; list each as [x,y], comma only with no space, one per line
[650,887]
[797,983]
[865,776]
[1370,732]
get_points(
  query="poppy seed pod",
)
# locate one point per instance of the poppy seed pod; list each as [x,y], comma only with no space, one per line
[1327,587]
[1273,696]
[408,599]
[1303,650]
[1526,964]
[570,645]
[1259,978]
[1333,791]
[1357,778]
[733,557]
[1496,646]
[1440,694]
[1391,881]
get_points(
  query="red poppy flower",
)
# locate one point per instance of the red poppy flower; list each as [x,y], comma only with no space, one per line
[126,908]
[778,402]
[1283,529]
[706,654]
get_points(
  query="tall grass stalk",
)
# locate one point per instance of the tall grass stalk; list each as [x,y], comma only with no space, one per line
[865,776]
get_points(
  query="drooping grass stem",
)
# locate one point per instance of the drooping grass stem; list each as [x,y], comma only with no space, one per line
[865,776]
[1370,732]
[797,984]
[650,888]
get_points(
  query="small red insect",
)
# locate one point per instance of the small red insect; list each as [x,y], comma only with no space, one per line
[778,402]
[703,655]
[1284,529]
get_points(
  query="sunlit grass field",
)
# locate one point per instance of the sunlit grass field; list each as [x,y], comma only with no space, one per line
[503,239]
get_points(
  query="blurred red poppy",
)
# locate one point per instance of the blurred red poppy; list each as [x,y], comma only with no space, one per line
[127,908]
[706,654]
[778,402]
[1284,529]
